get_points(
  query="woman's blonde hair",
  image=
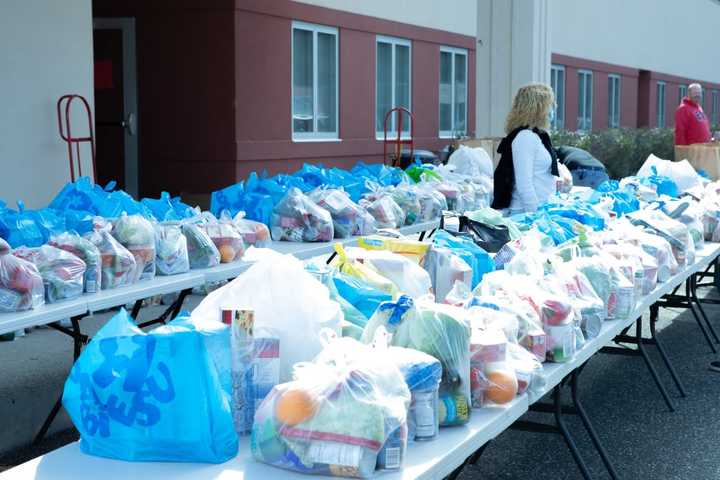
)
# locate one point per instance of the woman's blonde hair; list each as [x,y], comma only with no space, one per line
[531,106]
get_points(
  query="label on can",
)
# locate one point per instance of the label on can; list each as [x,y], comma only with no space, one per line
[424,407]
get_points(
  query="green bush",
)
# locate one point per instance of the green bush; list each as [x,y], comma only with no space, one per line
[621,150]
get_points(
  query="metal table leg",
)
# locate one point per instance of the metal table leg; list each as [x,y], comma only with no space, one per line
[694,298]
[661,349]
[699,320]
[651,367]
[171,312]
[566,435]
[78,341]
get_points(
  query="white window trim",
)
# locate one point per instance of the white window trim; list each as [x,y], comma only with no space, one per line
[715,113]
[380,135]
[664,104]
[611,77]
[315,136]
[454,51]
[559,69]
[682,92]
[590,74]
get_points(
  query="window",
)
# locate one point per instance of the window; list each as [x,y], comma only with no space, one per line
[453,92]
[682,92]
[585,97]
[660,102]
[314,82]
[392,82]
[557,82]
[614,101]
[715,116]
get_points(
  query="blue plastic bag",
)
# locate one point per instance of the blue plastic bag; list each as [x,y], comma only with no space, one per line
[154,396]
[161,208]
[229,198]
[359,294]
[80,195]
[576,210]
[479,260]
[50,222]
[20,228]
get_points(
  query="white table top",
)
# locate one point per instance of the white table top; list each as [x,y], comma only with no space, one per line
[44,314]
[423,460]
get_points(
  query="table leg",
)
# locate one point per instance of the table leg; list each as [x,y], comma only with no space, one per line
[78,341]
[566,435]
[136,309]
[589,427]
[171,312]
[651,367]
[697,317]
[698,303]
[661,349]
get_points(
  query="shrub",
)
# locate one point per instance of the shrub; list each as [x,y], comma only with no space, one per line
[622,150]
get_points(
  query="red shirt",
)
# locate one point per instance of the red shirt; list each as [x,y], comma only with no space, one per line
[691,124]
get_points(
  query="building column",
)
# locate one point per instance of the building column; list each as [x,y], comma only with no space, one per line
[513,49]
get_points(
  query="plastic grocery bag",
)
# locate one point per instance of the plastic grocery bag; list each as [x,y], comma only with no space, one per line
[21,286]
[385,210]
[130,392]
[446,269]
[432,202]
[202,251]
[87,252]
[20,228]
[296,218]
[344,414]
[118,264]
[682,172]
[442,331]
[354,268]
[471,161]
[295,302]
[172,250]
[412,249]
[407,200]
[231,198]
[477,258]
[348,217]
[410,278]
[492,380]
[62,272]
[226,238]
[253,233]
[359,294]
[136,233]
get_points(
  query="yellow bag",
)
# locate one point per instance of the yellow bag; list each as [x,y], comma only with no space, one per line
[412,249]
[363,272]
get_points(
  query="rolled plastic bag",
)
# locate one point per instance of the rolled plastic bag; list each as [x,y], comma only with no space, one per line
[307,310]
[296,218]
[87,252]
[202,251]
[172,250]
[343,414]
[412,249]
[136,233]
[118,264]
[62,272]
[21,286]
[129,392]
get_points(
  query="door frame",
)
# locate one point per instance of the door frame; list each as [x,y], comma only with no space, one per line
[130,94]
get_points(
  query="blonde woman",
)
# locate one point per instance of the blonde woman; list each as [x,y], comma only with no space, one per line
[526,175]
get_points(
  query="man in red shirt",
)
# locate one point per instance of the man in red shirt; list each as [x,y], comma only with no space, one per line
[691,124]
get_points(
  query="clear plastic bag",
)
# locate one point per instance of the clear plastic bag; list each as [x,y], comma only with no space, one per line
[87,252]
[407,200]
[172,250]
[492,380]
[344,414]
[446,269]
[62,272]
[296,302]
[348,217]
[202,251]
[671,230]
[528,369]
[296,218]
[586,302]
[226,238]
[442,331]
[432,202]
[253,233]
[21,286]
[385,210]
[118,264]
[471,161]
[410,278]
[350,266]
[136,233]
[412,249]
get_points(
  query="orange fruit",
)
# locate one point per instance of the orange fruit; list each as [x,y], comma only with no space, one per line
[503,387]
[227,253]
[295,406]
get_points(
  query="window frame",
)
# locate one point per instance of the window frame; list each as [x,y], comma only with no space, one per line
[663,84]
[453,51]
[682,92]
[314,136]
[715,113]
[379,134]
[614,89]
[558,120]
[587,74]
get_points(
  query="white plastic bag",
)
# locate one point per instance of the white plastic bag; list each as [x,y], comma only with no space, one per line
[410,278]
[286,299]
[471,161]
[446,268]
[682,173]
